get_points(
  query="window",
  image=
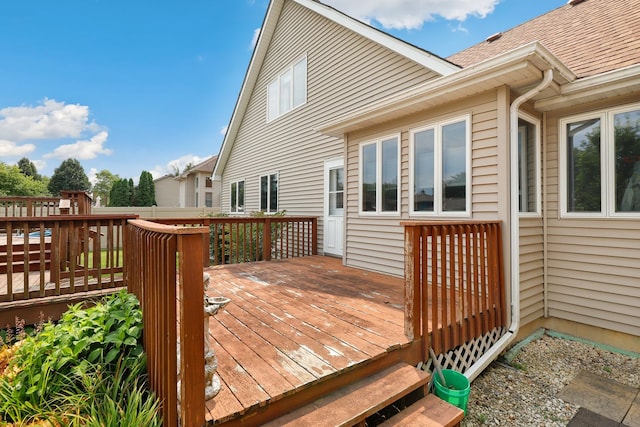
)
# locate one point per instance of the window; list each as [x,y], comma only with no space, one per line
[379,172]
[237,197]
[528,166]
[440,164]
[208,183]
[288,90]
[197,200]
[336,191]
[208,199]
[600,158]
[269,193]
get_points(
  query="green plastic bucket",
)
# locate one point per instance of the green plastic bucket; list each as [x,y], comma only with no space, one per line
[457,390]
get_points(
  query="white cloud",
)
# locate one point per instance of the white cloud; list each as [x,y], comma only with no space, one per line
[92,175]
[172,165]
[223,130]
[40,164]
[411,14]
[82,150]
[50,120]
[10,148]
[254,39]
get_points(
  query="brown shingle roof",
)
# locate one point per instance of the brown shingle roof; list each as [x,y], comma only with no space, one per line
[591,37]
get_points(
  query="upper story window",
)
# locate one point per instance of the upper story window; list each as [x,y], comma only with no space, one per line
[208,183]
[600,163]
[528,165]
[379,176]
[288,90]
[440,162]
[237,197]
[269,193]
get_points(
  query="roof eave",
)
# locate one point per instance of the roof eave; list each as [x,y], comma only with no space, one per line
[589,89]
[433,62]
[519,67]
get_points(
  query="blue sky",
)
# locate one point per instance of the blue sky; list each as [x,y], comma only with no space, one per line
[144,85]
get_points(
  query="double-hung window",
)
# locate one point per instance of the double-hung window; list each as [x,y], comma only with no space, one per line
[440,160]
[288,90]
[379,176]
[237,197]
[600,163]
[269,193]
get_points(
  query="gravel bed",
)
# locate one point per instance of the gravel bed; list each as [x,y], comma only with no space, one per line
[523,393]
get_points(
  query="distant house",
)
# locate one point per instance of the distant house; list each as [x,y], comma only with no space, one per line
[538,127]
[193,188]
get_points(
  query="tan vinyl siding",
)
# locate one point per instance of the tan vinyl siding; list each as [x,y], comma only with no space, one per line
[531,270]
[377,242]
[593,267]
[345,71]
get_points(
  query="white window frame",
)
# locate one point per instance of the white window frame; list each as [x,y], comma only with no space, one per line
[607,163]
[276,83]
[437,181]
[538,166]
[378,143]
[231,207]
[268,210]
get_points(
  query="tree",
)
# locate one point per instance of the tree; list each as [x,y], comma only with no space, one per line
[146,191]
[104,182]
[120,194]
[28,168]
[14,183]
[69,176]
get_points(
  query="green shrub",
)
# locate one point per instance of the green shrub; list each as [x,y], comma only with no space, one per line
[90,365]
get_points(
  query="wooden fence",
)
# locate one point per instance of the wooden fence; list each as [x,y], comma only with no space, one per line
[153,251]
[246,239]
[454,282]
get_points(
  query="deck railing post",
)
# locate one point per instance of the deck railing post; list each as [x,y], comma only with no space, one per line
[412,283]
[266,240]
[191,330]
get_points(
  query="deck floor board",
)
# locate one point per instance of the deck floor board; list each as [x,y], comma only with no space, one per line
[293,323]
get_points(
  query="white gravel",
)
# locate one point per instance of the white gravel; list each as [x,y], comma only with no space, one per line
[523,393]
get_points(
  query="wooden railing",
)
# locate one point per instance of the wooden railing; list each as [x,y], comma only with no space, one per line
[153,251]
[454,282]
[58,255]
[79,203]
[248,239]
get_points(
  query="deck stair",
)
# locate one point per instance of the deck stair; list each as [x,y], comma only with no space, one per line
[430,411]
[351,405]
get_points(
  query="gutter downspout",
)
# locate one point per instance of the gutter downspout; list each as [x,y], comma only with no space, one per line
[514,230]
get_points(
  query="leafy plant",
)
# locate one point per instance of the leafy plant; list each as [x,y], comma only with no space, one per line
[88,366]
[234,242]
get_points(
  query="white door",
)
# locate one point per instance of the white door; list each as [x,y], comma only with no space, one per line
[333,206]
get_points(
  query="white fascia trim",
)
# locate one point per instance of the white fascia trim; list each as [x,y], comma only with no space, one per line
[598,86]
[422,57]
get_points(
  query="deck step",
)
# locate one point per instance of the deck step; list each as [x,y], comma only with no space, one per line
[354,403]
[430,411]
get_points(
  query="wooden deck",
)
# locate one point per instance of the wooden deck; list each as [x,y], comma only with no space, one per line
[295,329]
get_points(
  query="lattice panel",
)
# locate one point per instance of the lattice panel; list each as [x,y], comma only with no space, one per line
[464,356]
